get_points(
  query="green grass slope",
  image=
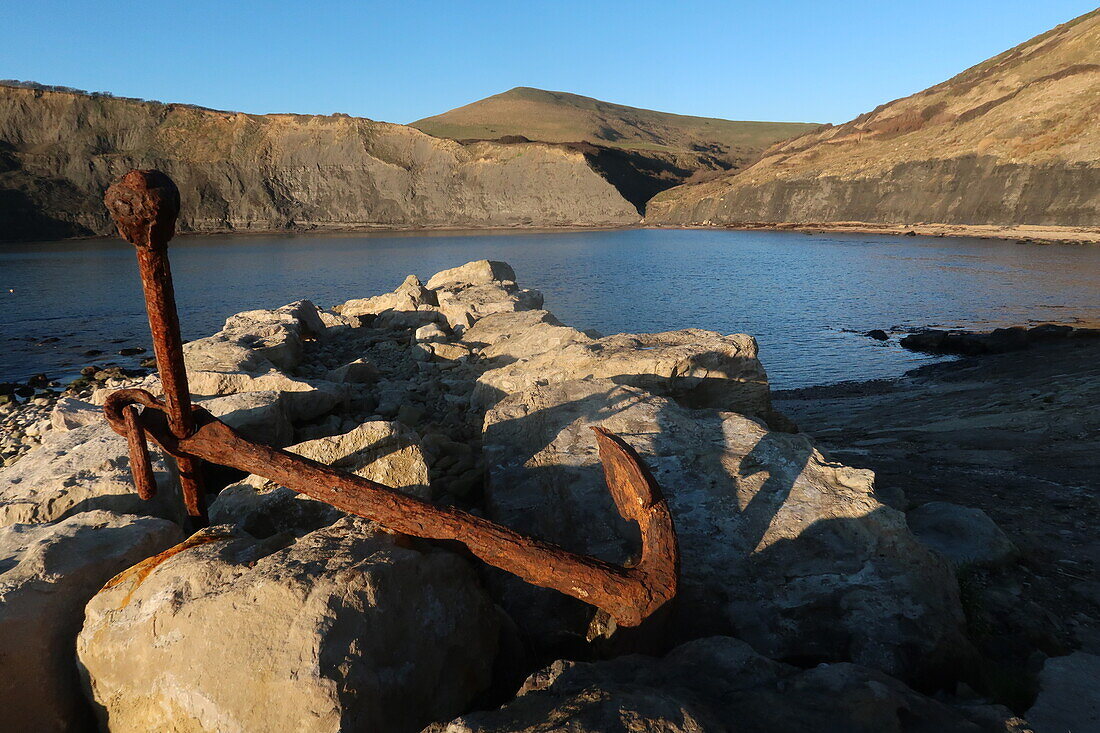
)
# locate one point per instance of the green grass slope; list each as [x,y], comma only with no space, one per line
[562,117]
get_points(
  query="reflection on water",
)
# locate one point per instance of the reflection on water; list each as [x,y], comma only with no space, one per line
[806,298]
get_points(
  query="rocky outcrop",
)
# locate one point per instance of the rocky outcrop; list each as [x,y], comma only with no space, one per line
[695,367]
[810,564]
[1068,700]
[715,685]
[966,536]
[60,150]
[343,629]
[257,351]
[386,452]
[47,573]
[997,341]
[292,614]
[1009,141]
[81,470]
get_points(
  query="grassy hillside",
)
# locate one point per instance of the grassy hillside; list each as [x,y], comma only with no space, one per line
[641,151]
[562,117]
[1012,140]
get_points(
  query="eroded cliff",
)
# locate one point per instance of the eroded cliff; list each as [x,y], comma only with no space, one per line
[1013,140]
[60,150]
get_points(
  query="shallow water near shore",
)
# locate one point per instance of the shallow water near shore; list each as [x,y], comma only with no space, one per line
[807,299]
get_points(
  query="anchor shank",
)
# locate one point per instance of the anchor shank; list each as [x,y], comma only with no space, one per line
[145,205]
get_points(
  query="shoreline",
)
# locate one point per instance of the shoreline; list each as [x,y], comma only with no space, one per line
[1013,434]
[1019,233]
[362,229]
[477,377]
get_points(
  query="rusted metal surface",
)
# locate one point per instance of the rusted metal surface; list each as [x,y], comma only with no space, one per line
[629,594]
[145,204]
[140,466]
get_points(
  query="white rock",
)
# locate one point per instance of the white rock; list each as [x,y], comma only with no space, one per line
[409,296]
[80,470]
[430,332]
[479,272]
[386,452]
[520,335]
[698,368]
[335,323]
[408,319]
[780,547]
[463,308]
[1069,698]
[249,354]
[48,572]
[360,371]
[260,416]
[69,413]
[342,630]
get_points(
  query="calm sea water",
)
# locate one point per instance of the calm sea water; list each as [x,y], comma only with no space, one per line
[807,299]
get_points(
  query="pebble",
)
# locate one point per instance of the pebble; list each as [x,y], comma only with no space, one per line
[24,425]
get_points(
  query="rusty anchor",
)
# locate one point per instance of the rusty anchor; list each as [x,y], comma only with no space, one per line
[145,204]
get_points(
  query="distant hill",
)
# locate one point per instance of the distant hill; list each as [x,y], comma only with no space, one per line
[668,148]
[61,148]
[1013,140]
[560,117]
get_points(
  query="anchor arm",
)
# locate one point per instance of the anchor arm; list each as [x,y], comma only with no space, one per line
[628,594]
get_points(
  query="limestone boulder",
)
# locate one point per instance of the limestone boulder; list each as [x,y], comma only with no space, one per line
[966,536]
[347,628]
[80,470]
[48,572]
[409,319]
[360,371]
[480,272]
[386,452]
[467,293]
[519,335]
[261,416]
[1069,699]
[713,685]
[430,332]
[780,546]
[436,351]
[272,335]
[69,413]
[337,326]
[698,368]
[463,308]
[306,317]
[253,352]
[409,296]
[304,399]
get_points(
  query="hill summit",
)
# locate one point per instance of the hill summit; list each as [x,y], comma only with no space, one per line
[642,150]
[561,117]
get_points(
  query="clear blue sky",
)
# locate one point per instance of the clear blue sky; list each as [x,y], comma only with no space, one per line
[815,61]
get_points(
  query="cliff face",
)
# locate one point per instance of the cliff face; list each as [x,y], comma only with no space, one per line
[1013,140]
[59,151]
